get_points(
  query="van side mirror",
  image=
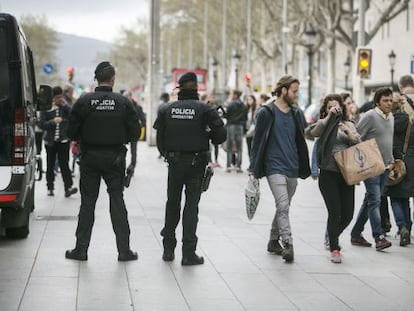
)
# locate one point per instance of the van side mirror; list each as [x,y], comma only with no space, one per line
[45,98]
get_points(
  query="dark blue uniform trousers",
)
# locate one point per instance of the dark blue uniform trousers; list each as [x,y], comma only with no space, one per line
[110,165]
[188,171]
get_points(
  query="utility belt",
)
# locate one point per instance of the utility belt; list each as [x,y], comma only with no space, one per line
[119,150]
[197,158]
[114,147]
[188,154]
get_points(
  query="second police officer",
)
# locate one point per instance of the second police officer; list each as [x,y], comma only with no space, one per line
[184,129]
[103,122]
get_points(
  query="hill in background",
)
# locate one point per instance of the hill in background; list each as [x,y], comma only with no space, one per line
[82,54]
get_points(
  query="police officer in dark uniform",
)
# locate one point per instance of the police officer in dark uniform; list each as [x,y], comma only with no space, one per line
[184,129]
[103,121]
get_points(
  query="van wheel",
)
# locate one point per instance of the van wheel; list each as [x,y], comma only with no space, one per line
[17,233]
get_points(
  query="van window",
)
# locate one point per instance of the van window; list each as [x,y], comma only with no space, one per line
[6,115]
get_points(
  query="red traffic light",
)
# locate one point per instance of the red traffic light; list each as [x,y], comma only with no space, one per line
[248,76]
[70,70]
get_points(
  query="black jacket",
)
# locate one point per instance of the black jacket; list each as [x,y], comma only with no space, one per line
[327,140]
[188,133]
[405,188]
[236,113]
[48,124]
[264,123]
[103,118]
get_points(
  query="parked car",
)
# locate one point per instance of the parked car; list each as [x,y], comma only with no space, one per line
[19,101]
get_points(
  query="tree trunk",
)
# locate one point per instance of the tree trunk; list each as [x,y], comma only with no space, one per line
[331,59]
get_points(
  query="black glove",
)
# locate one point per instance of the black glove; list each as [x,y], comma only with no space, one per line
[129,173]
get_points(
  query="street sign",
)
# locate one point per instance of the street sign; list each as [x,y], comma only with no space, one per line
[48,68]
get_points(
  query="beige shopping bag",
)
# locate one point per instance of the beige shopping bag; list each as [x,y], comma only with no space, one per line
[360,162]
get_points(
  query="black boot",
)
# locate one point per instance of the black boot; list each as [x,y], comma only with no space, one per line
[192,259]
[274,247]
[168,255]
[78,253]
[127,256]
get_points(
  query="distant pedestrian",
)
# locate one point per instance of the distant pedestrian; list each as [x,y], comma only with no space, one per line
[406,86]
[165,99]
[263,98]
[400,193]
[280,153]
[377,123]
[236,115]
[251,121]
[336,133]
[184,129]
[142,120]
[76,153]
[55,124]
[211,101]
[103,122]
[351,108]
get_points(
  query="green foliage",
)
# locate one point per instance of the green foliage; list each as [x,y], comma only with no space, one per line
[44,42]
[130,56]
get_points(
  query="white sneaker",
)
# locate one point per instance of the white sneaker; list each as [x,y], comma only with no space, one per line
[336,256]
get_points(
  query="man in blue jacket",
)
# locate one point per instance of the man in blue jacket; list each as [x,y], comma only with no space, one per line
[280,153]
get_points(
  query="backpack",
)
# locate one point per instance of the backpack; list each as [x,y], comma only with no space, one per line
[409,109]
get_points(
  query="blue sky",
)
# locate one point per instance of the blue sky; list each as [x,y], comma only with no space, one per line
[99,19]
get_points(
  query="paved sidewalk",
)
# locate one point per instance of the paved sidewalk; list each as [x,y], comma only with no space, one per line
[238,273]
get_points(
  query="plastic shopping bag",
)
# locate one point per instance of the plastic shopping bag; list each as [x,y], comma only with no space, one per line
[252,195]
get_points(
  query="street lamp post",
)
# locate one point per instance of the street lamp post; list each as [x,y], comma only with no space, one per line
[236,58]
[215,66]
[392,58]
[347,70]
[310,37]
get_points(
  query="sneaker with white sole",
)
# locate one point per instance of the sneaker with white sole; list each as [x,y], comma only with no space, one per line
[287,253]
[336,256]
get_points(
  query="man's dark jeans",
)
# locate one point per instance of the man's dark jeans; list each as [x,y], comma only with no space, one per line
[371,206]
[61,150]
[234,136]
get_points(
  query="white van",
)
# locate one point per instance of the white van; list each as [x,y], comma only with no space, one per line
[19,101]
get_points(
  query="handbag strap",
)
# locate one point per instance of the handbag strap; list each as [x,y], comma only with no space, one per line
[407,137]
[409,100]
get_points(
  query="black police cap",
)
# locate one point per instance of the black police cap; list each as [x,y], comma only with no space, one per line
[187,77]
[103,66]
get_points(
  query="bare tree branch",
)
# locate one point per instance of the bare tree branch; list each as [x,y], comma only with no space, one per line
[388,14]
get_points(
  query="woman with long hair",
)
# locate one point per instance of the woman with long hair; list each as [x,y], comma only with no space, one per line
[336,133]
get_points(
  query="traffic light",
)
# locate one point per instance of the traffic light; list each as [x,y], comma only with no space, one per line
[364,63]
[70,71]
[248,79]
